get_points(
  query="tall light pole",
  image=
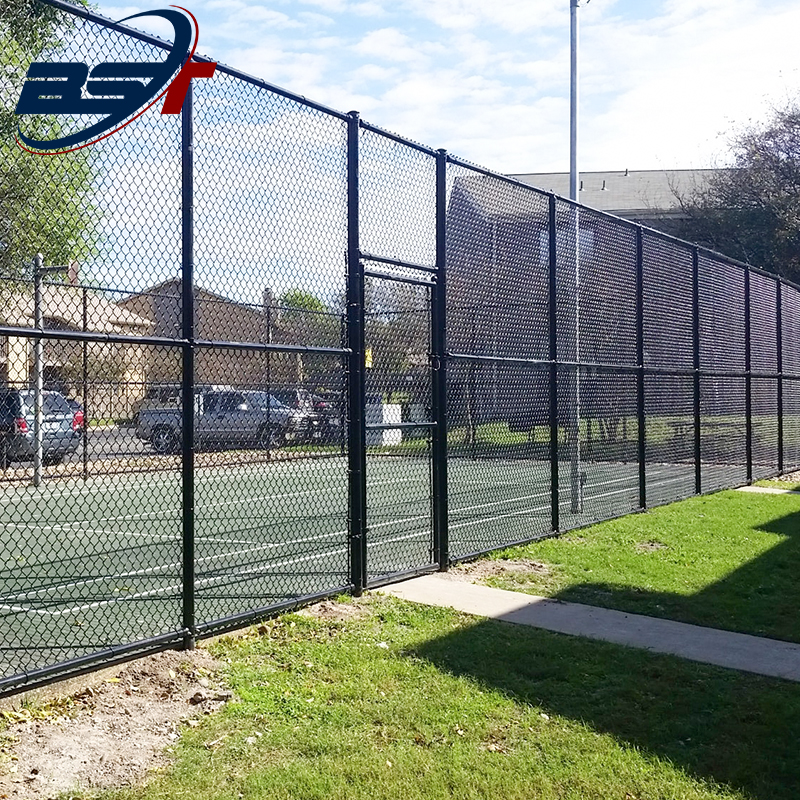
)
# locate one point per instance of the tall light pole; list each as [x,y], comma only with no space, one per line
[574,438]
[573,98]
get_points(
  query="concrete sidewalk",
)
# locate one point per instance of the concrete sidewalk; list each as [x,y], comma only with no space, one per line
[766,490]
[711,646]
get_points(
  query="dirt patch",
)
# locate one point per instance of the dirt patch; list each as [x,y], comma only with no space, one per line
[476,571]
[114,733]
[336,611]
[650,547]
[790,477]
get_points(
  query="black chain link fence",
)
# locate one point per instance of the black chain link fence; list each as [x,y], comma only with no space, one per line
[270,352]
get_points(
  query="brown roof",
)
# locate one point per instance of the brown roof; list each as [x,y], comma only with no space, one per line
[64,303]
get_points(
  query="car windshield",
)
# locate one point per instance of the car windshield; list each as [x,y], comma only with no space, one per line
[263,400]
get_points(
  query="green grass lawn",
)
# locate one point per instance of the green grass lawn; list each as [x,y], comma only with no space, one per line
[412,702]
[728,560]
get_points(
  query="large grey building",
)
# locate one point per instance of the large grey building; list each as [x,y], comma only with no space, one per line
[648,196]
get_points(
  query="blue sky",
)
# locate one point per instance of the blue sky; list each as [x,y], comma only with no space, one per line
[662,80]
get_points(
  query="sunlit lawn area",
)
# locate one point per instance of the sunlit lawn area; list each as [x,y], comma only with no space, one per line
[728,560]
[412,702]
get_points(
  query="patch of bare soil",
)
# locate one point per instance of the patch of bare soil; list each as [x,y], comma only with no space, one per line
[336,611]
[790,477]
[112,733]
[650,547]
[476,571]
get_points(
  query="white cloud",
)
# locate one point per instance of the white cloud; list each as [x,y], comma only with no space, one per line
[490,81]
[392,45]
[509,15]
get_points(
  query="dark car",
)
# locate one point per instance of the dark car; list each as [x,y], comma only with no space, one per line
[323,413]
[61,427]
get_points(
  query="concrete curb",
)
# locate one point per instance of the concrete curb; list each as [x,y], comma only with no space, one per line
[740,651]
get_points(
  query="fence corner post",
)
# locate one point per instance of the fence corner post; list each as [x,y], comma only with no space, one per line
[748,380]
[779,365]
[552,314]
[698,472]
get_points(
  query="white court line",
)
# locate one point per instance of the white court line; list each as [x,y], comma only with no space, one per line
[203,582]
[206,559]
[495,486]
[165,567]
[267,546]
[545,494]
[328,490]
[65,528]
[147,481]
[176,513]
[546,507]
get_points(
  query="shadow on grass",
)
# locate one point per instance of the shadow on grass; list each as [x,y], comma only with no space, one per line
[761,597]
[732,728]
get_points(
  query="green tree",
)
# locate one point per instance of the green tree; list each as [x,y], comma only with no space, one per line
[304,319]
[296,301]
[45,200]
[751,210]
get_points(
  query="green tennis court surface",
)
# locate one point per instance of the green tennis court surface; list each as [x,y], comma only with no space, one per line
[85,564]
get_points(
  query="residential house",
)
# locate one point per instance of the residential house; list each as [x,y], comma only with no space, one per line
[115,371]
[217,319]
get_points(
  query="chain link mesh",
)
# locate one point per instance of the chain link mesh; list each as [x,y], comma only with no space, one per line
[179,439]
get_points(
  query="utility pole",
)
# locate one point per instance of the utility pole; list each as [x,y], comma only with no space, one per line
[574,438]
[573,99]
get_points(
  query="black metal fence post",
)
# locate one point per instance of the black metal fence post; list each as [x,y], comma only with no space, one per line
[439,364]
[698,477]
[187,387]
[357,440]
[640,408]
[779,348]
[748,383]
[553,357]
[85,378]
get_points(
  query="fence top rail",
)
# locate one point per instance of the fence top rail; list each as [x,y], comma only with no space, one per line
[368,126]
[92,16]
[706,251]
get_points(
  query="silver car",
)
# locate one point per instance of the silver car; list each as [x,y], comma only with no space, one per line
[224,418]
[61,427]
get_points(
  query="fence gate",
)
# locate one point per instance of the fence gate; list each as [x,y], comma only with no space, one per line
[398,421]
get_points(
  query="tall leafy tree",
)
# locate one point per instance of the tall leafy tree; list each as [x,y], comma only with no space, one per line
[751,210]
[304,319]
[45,200]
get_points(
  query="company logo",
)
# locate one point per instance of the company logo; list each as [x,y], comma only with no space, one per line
[115,90]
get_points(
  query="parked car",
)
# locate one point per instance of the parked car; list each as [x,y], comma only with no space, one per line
[77,408]
[61,427]
[232,418]
[163,395]
[294,397]
[325,420]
